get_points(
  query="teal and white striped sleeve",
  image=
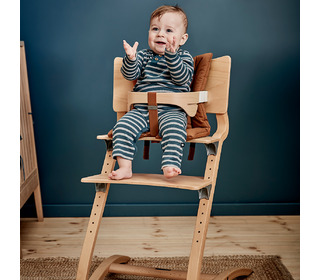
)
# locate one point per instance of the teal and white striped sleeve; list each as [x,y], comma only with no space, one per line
[180,65]
[131,69]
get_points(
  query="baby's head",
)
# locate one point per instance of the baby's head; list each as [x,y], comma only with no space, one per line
[167,22]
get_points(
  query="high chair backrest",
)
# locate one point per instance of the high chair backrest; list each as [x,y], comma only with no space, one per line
[217,86]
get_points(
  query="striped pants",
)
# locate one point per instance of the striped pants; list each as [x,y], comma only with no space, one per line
[172,128]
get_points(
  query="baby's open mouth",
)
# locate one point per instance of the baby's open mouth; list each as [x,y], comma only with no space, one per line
[161,43]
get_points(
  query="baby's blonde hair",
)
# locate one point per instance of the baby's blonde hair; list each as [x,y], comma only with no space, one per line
[170,9]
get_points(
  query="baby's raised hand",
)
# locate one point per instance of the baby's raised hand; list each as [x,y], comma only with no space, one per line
[171,45]
[130,51]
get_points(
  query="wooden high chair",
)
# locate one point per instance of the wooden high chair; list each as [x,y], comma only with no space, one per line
[217,103]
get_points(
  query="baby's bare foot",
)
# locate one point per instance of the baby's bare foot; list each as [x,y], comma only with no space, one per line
[170,171]
[121,173]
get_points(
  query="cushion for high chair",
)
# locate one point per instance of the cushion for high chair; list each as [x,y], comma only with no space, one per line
[198,126]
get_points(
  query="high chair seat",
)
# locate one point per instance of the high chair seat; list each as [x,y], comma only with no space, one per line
[203,140]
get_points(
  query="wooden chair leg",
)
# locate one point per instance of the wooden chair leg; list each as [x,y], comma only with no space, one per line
[38,202]
[95,219]
[199,239]
[91,235]
[203,217]
[202,222]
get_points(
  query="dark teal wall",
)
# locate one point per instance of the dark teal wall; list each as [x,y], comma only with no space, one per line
[70,47]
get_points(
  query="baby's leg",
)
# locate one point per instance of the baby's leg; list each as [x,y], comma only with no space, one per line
[172,126]
[125,135]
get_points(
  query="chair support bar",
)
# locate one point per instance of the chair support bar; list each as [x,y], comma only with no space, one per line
[153,272]
[118,265]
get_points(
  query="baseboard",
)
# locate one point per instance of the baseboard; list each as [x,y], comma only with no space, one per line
[134,210]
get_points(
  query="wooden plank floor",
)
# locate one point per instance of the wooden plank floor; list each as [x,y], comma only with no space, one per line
[166,236]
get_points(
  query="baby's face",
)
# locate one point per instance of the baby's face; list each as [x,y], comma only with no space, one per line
[163,29]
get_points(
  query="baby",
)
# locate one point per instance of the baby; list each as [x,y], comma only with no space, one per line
[162,68]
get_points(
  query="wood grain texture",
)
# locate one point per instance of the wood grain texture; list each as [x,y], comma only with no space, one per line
[179,182]
[167,237]
[29,175]
[188,101]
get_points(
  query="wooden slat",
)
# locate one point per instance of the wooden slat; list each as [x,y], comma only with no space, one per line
[91,235]
[27,143]
[28,187]
[153,272]
[179,182]
[188,101]
[218,85]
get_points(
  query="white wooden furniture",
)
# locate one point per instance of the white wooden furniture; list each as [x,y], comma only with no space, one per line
[217,103]
[29,176]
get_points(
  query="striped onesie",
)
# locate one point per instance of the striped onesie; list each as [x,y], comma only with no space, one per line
[171,72]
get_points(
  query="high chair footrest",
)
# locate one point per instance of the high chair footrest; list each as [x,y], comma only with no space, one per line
[180,182]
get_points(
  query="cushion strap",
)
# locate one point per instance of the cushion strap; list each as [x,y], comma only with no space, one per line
[192,149]
[153,113]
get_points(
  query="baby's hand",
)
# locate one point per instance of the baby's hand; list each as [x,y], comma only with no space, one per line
[130,51]
[172,45]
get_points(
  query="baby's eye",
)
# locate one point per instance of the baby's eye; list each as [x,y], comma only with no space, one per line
[169,30]
[155,29]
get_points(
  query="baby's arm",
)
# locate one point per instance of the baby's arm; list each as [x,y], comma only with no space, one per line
[180,67]
[131,66]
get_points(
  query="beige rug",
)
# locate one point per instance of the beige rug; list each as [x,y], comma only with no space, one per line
[264,267]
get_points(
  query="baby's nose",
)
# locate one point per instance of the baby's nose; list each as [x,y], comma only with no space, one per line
[161,33]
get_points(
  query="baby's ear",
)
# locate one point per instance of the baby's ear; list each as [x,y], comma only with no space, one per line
[184,39]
